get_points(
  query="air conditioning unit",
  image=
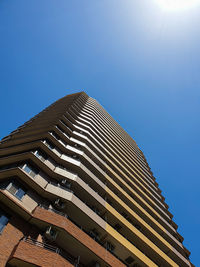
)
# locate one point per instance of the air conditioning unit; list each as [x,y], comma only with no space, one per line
[59,204]
[51,233]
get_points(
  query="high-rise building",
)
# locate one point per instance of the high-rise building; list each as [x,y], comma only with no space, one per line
[75,190]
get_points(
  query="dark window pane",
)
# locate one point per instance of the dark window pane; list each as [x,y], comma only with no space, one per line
[27,169]
[12,188]
[51,146]
[20,193]
[3,222]
[16,189]
[41,156]
[30,170]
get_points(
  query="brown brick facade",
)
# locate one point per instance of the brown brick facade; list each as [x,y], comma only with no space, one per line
[73,230]
[39,256]
[9,238]
[16,229]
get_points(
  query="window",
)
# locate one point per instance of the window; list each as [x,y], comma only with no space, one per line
[66,124]
[3,221]
[94,234]
[49,145]
[96,210]
[41,156]
[66,184]
[138,227]
[16,189]
[55,135]
[117,227]
[75,157]
[124,215]
[58,138]
[30,170]
[129,260]
[59,128]
[77,146]
[109,246]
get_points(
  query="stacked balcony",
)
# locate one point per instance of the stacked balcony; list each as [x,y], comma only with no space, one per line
[84,194]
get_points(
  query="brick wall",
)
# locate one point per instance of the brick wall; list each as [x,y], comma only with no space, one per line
[73,230]
[10,237]
[39,256]
[11,246]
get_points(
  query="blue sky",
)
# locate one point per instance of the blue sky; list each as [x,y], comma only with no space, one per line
[140,62]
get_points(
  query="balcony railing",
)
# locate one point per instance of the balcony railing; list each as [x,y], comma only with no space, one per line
[60,186]
[64,254]
[79,226]
[41,245]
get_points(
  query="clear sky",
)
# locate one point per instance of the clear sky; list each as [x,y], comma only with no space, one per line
[141,62]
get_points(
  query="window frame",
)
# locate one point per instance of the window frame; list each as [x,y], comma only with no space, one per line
[30,170]
[18,188]
[40,155]
[5,222]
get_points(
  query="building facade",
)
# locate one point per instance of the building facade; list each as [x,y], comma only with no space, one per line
[75,190]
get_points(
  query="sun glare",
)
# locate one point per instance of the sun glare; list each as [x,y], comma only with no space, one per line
[177,5]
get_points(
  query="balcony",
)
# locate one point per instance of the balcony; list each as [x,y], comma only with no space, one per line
[76,235]
[39,254]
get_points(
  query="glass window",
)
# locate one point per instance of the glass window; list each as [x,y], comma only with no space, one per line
[110,246]
[3,221]
[55,135]
[27,168]
[20,193]
[50,145]
[41,156]
[16,189]
[30,170]
[12,188]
